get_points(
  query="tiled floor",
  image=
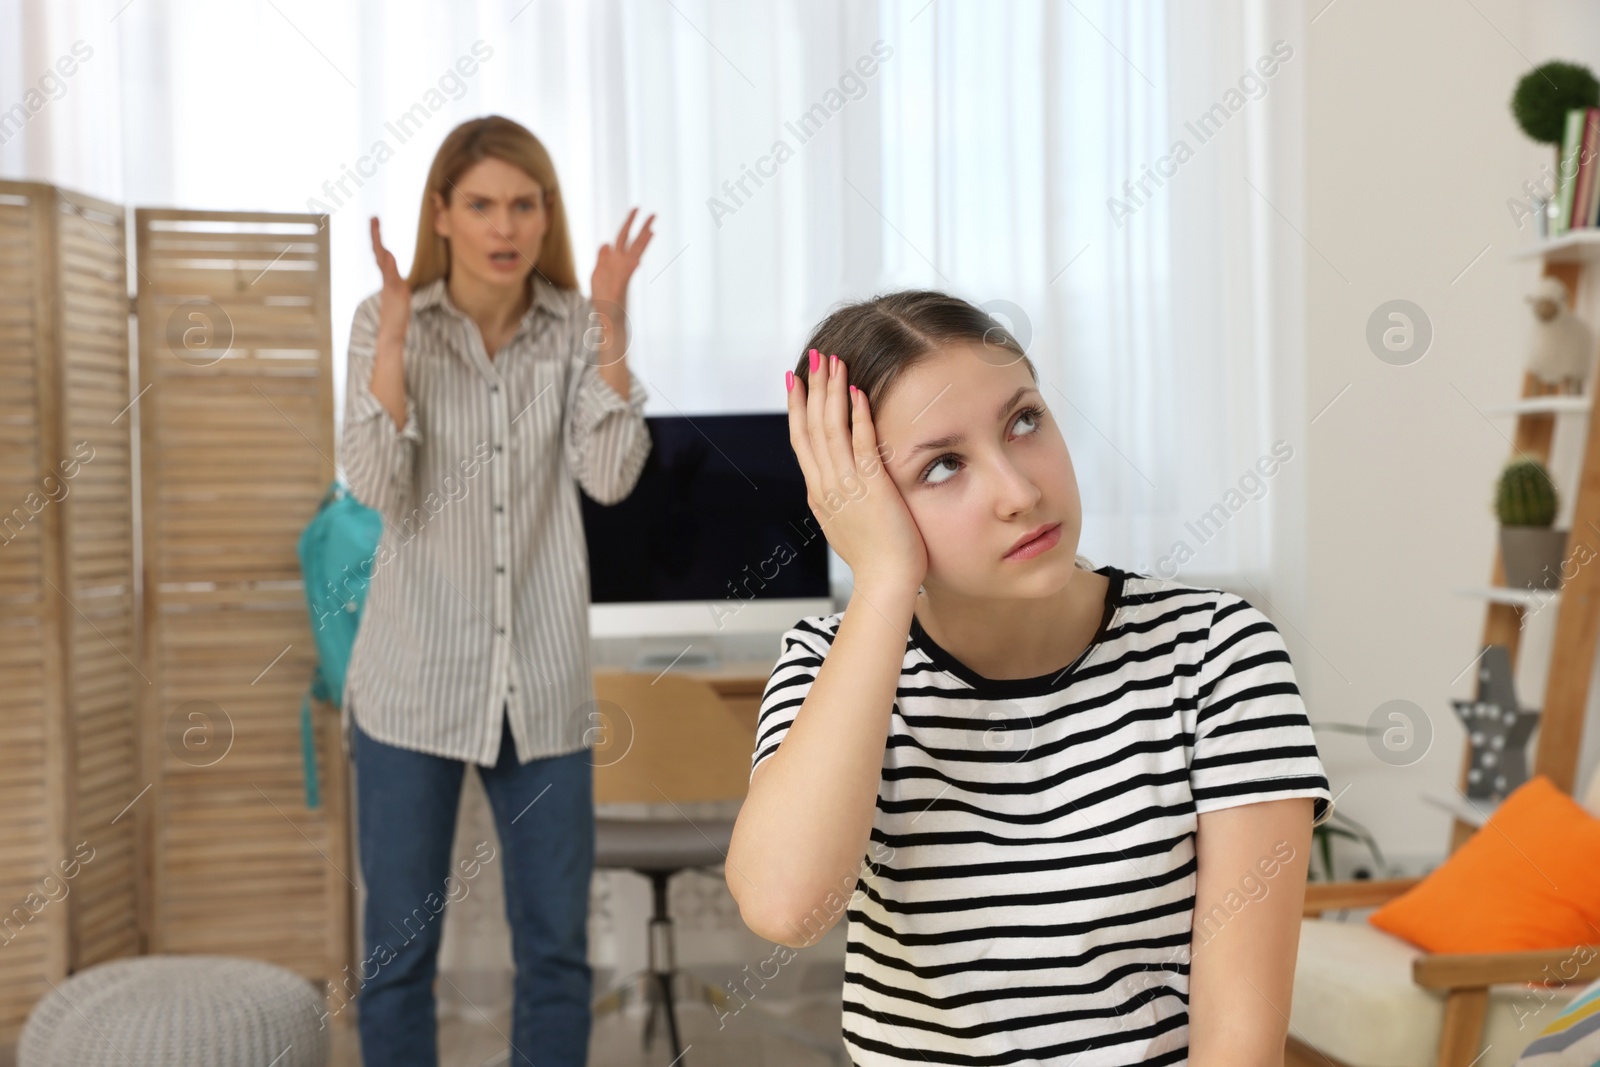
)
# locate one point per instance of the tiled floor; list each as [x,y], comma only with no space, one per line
[616,1040]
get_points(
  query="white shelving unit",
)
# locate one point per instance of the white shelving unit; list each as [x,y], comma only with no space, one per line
[1575,246]
[1545,665]
[1504,594]
[1542,405]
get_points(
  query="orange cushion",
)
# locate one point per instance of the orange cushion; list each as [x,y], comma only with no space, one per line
[1529,878]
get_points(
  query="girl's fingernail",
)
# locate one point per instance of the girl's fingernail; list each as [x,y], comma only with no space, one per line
[816,360]
[852,390]
[833,363]
[788,381]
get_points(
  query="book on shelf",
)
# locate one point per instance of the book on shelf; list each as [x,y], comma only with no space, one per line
[1582,211]
[1591,150]
[1577,190]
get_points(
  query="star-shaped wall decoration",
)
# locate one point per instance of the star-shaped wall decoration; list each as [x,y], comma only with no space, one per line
[1497,729]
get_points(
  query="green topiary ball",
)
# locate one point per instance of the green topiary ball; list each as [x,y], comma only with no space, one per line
[1545,95]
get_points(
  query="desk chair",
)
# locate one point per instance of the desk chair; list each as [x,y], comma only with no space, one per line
[671,740]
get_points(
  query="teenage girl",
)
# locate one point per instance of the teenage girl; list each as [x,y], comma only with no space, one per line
[1066,810]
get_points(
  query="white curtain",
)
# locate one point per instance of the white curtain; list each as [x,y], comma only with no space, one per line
[962,145]
[975,147]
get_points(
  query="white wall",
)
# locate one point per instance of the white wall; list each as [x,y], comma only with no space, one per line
[1411,156]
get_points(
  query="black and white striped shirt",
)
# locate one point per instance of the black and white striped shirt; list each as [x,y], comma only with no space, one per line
[479,602]
[1028,896]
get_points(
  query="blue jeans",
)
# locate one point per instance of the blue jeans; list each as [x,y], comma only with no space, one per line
[406,813]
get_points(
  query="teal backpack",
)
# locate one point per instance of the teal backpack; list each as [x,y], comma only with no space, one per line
[337,550]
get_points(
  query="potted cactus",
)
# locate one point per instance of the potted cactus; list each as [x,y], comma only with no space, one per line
[1526,504]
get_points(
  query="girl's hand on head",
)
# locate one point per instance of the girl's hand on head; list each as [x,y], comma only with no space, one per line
[394,305]
[862,513]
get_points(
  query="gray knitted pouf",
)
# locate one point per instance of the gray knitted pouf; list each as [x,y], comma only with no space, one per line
[177,1011]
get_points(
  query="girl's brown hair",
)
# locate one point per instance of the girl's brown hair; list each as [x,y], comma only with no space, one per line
[492,137]
[880,339]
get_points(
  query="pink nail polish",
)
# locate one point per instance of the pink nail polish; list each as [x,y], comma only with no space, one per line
[788,381]
[852,390]
[833,363]
[816,360]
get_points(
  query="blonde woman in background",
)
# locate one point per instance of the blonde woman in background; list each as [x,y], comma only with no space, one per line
[482,387]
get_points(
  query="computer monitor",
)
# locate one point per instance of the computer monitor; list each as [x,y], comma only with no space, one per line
[715,538]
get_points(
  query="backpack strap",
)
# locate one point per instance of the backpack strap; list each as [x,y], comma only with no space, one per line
[308,742]
[308,751]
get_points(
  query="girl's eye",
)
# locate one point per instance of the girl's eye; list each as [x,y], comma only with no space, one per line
[1031,415]
[947,458]
[1034,415]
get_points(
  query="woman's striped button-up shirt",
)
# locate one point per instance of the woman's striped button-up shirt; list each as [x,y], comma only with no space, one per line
[479,597]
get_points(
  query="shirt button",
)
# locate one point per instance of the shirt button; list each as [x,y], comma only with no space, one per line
[499,507]
[497,446]
[499,629]
[494,388]
[499,568]
[511,689]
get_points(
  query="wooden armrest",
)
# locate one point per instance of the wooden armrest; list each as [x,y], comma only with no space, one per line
[1334,896]
[1479,969]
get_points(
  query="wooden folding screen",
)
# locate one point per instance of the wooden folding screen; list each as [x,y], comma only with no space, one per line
[70,790]
[237,450]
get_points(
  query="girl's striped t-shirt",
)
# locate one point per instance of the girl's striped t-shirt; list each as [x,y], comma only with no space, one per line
[1028,894]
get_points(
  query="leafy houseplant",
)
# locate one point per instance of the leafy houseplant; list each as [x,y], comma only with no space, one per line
[1526,503]
[1322,841]
[1341,825]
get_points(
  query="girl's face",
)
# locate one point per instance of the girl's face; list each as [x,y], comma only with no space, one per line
[495,222]
[982,466]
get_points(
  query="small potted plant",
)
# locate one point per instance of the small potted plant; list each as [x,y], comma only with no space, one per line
[1526,504]
[1546,93]
[1322,844]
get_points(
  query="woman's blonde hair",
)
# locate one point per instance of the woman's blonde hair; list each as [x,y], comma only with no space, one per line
[492,137]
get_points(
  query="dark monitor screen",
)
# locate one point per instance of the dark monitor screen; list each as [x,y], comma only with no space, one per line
[719,511]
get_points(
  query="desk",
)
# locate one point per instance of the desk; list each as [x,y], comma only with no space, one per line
[740,683]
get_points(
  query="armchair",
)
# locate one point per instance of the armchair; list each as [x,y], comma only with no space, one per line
[1364,998]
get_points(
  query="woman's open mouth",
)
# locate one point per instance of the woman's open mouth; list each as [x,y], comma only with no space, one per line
[1042,542]
[505,260]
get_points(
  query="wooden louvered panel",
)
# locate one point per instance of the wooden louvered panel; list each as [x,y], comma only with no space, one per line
[32,946]
[236,453]
[20,981]
[98,553]
[68,638]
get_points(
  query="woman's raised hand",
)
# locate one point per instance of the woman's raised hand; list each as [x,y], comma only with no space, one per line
[862,513]
[394,305]
[615,263]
